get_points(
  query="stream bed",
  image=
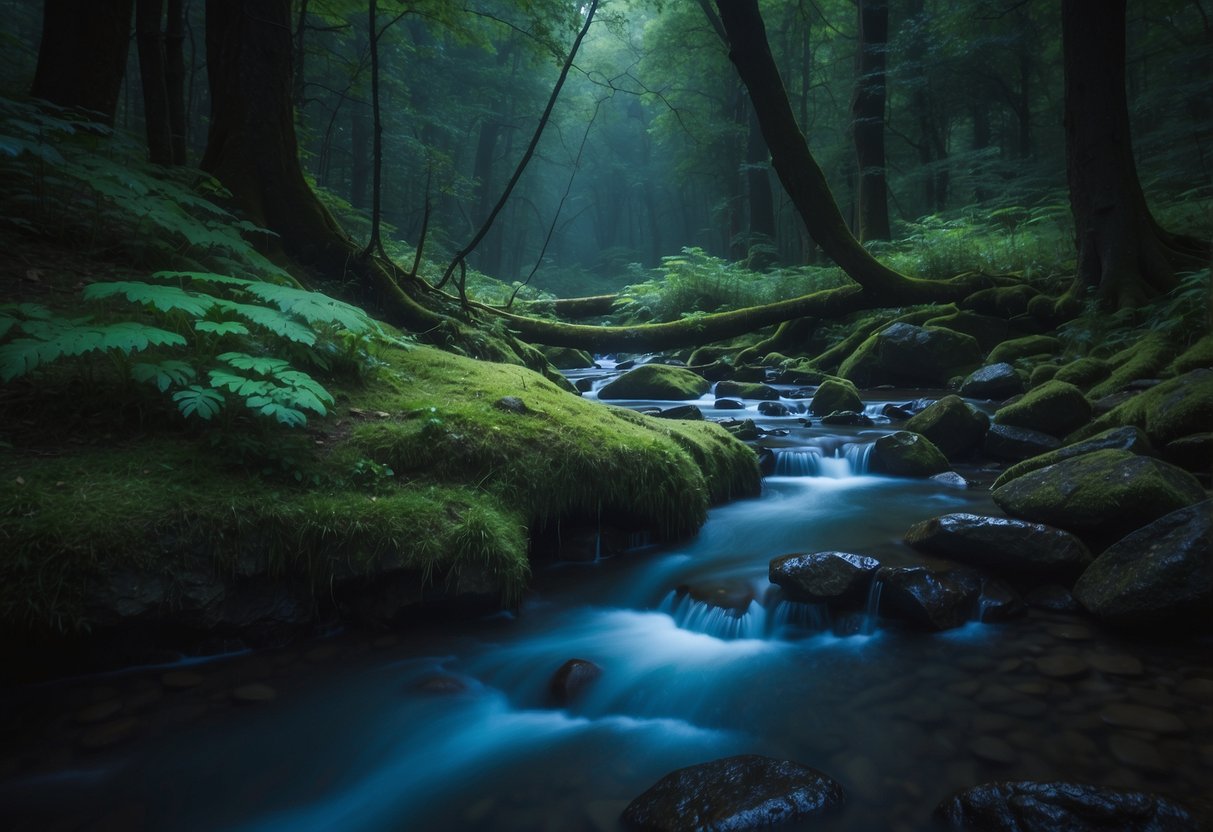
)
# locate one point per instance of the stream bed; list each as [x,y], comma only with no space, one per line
[452,727]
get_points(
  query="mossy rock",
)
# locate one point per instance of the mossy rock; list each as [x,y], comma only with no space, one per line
[1199,355]
[1017,348]
[709,354]
[1101,496]
[1084,373]
[835,395]
[565,358]
[1178,407]
[988,331]
[996,382]
[1130,439]
[1148,358]
[953,426]
[1056,408]
[905,354]
[656,381]
[1002,301]
[906,454]
[1042,373]
[1192,453]
[746,390]
[799,371]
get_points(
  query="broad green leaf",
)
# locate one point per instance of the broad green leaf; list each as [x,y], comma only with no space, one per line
[199,401]
[271,319]
[205,277]
[221,327]
[163,374]
[313,307]
[240,385]
[258,364]
[164,298]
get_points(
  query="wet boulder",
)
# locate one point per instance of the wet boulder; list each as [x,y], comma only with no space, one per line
[848,418]
[999,602]
[905,454]
[1001,544]
[1028,806]
[1084,373]
[829,577]
[733,794]
[565,358]
[835,395]
[994,382]
[746,390]
[733,598]
[1101,496]
[987,330]
[729,404]
[952,426]
[1056,408]
[905,354]
[929,597]
[1012,444]
[1124,439]
[655,381]
[775,409]
[571,680]
[1178,407]
[685,412]
[1009,351]
[1161,574]
[1192,453]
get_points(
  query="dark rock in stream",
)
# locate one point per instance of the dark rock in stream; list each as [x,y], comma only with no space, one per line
[731,597]
[1028,806]
[1002,544]
[952,425]
[847,417]
[775,409]
[897,412]
[1012,444]
[832,577]
[729,404]
[571,679]
[1161,574]
[933,598]
[746,390]
[994,382]
[906,454]
[686,412]
[733,794]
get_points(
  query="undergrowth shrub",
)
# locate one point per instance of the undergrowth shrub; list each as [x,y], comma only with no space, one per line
[205,340]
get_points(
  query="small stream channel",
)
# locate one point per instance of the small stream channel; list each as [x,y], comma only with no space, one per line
[451,728]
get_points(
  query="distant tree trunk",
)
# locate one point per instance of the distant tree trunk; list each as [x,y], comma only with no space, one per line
[361,126]
[797,169]
[82,55]
[867,124]
[174,78]
[299,79]
[150,42]
[1123,255]
[252,149]
[375,243]
[981,141]
[758,185]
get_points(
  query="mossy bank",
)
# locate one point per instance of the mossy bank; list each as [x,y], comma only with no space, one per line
[425,484]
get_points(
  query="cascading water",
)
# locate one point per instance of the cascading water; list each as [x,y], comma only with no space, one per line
[871,610]
[720,622]
[846,460]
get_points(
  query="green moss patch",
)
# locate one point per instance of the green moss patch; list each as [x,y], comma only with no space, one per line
[1176,408]
[656,381]
[1147,358]
[1199,355]
[1084,373]
[1017,348]
[1054,407]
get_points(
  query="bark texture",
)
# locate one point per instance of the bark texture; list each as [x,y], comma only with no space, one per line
[82,56]
[149,39]
[1124,257]
[867,122]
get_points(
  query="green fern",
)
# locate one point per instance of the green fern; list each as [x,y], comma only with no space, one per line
[313,307]
[163,374]
[162,298]
[202,402]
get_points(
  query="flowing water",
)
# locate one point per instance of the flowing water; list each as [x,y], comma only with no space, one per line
[452,728]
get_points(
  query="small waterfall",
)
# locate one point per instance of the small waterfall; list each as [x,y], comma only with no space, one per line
[871,610]
[718,622]
[792,615]
[849,460]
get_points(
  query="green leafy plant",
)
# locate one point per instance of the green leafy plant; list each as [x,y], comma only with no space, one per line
[185,321]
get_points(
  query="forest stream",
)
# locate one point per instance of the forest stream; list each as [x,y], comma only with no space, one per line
[455,728]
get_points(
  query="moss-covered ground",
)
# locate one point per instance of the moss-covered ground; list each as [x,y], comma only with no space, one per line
[420,464]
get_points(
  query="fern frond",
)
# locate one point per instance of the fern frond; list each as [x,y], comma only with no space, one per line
[314,307]
[258,364]
[221,327]
[196,400]
[163,374]
[271,319]
[203,277]
[163,298]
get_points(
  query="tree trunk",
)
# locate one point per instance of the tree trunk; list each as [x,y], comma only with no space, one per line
[867,113]
[174,78]
[797,169]
[150,42]
[1123,255]
[82,56]
[762,200]
[253,151]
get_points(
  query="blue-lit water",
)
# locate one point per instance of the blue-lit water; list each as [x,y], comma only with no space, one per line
[453,728]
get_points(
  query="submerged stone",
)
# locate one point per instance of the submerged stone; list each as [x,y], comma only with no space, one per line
[823,576]
[1027,806]
[571,680]
[733,794]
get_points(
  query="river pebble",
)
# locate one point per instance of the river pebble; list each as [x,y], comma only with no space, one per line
[1142,718]
[1062,666]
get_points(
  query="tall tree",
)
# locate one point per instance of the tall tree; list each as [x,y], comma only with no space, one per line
[82,56]
[149,39]
[1124,256]
[867,122]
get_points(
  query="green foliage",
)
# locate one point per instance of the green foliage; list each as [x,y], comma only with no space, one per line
[89,185]
[184,358]
[695,283]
